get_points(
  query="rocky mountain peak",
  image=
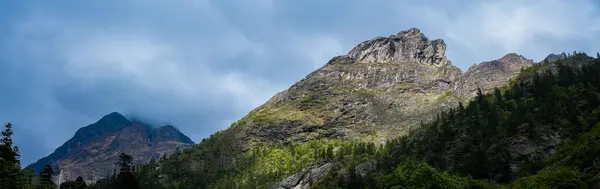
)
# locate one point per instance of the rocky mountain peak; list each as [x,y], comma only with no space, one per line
[406,46]
[554,57]
[511,57]
[113,120]
[410,32]
[92,151]
[490,74]
[508,63]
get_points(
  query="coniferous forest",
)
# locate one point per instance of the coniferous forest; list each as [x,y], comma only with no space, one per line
[551,110]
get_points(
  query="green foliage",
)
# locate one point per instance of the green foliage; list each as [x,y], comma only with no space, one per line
[46,176]
[125,179]
[444,96]
[268,165]
[77,184]
[420,175]
[552,178]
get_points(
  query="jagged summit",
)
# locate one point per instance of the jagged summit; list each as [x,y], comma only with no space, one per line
[512,57]
[406,46]
[409,32]
[554,57]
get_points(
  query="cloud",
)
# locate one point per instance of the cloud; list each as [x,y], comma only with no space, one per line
[513,24]
[318,49]
[66,73]
[532,28]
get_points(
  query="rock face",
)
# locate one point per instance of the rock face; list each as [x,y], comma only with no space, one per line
[487,75]
[405,46]
[93,151]
[379,90]
[306,177]
[554,57]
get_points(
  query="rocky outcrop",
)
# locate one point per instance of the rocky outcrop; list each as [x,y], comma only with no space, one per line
[488,75]
[306,177]
[94,149]
[524,150]
[406,46]
[364,168]
[554,57]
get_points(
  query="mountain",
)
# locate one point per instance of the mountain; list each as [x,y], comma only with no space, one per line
[377,91]
[381,90]
[94,149]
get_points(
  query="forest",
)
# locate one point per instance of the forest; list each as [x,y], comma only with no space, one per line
[551,109]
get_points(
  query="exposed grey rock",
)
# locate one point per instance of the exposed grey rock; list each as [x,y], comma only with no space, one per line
[364,168]
[487,75]
[524,150]
[554,57]
[306,177]
[405,46]
[342,60]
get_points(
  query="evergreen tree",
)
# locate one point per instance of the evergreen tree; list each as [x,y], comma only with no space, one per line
[80,183]
[46,176]
[8,152]
[68,185]
[9,164]
[126,178]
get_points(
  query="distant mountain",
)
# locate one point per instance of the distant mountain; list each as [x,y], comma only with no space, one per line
[554,57]
[94,149]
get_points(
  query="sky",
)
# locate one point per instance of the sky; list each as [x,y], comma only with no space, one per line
[203,64]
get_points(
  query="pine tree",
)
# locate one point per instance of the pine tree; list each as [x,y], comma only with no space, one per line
[126,178]
[7,135]
[497,94]
[80,183]
[11,175]
[67,185]
[46,176]
[9,152]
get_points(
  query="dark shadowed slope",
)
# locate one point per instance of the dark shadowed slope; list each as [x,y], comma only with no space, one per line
[92,152]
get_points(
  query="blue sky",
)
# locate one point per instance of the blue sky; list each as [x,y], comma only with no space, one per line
[202,64]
